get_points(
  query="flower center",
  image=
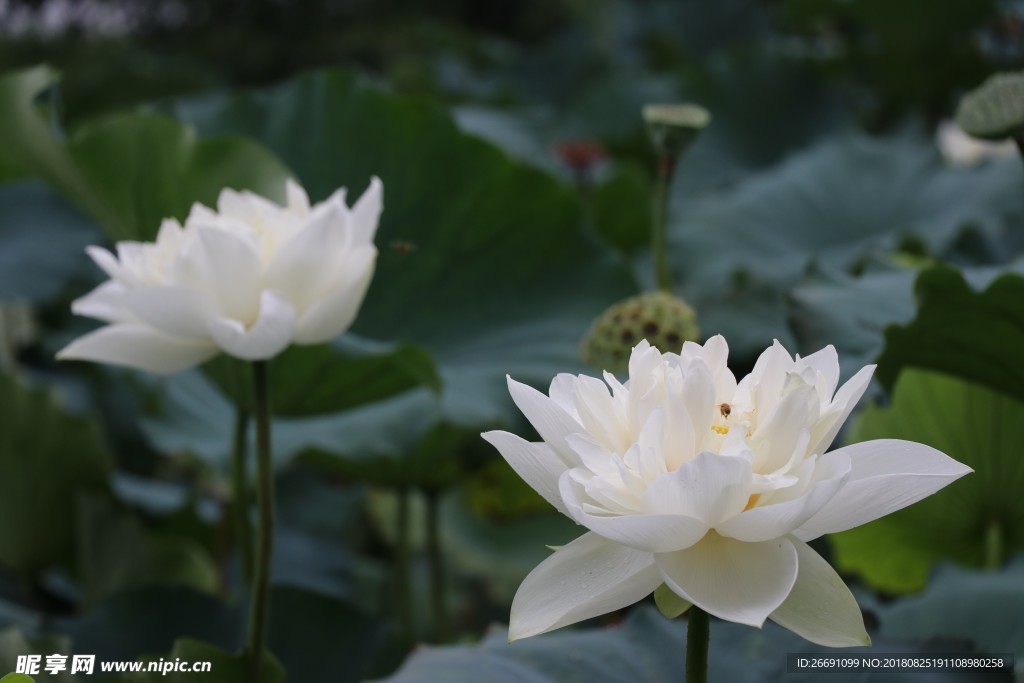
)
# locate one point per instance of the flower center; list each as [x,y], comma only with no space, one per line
[720,429]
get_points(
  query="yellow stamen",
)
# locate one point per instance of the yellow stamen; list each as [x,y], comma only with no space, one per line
[752,502]
[721,429]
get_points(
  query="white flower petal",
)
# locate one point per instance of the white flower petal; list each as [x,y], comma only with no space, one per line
[308,264]
[106,303]
[586,578]
[137,345]
[763,523]
[778,435]
[550,420]
[596,409]
[820,607]
[698,397]
[333,314]
[225,266]
[733,580]
[177,311]
[535,463]
[298,200]
[710,488]
[768,377]
[267,338]
[842,405]
[647,532]
[885,475]
[366,212]
[825,361]
[108,263]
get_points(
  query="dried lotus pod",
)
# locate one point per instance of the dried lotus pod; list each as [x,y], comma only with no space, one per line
[664,320]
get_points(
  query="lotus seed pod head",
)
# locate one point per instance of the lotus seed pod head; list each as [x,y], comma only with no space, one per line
[664,320]
[672,127]
[995,109]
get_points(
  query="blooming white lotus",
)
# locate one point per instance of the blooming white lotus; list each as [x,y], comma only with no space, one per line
[249,279]
[685,477]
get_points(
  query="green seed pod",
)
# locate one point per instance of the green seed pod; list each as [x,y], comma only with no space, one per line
[995,109]
[672,127]
[664,320]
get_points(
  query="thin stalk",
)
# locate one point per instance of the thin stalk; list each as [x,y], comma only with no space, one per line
[403,578]
[240,495]
[439,603]
[994,545]
[659,221]
[259,605]
[698,634]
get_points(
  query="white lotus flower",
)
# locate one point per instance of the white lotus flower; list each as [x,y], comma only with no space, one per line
[249,279]
[686,478]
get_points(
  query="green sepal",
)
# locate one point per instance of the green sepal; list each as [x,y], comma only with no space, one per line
[670,604]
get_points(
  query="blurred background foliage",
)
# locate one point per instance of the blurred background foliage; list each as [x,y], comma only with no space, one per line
[830,201]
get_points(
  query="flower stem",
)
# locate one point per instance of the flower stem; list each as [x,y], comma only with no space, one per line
[403,593]
[436,559]
[993,545]
[698,633]
[659,221]
[258,606]
[240,495]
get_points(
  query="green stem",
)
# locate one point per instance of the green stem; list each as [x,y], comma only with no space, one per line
[698,633]
[240,495]
[259,607]
[436,557]
[994,545]
[659,221]
[403,593]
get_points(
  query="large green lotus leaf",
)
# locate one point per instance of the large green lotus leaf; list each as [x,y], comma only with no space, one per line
[851,313]
[749,93]
[502,551]
[48,458]
[195,418]
[16,678]
[13,644]
[323,640]
[979,427]
[329,378]
[128,171]
[122,626]
[318,521]
[349,644]
[837,204]
[977,336]
[981,607]
[116,551]
[144,168]
[42,242]
[646,647]
[854,313]
[29,141]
